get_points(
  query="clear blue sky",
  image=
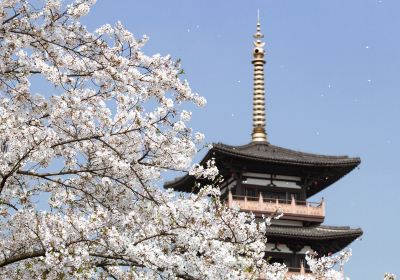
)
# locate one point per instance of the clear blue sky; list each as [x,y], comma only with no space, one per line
[332,81]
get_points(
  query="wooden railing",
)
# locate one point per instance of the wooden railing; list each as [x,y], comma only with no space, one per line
[267,205]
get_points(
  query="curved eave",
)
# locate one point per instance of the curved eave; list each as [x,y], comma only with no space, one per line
[323,239]
[298,158]
[336,166]
[324,184]
[185,183]
[315,233]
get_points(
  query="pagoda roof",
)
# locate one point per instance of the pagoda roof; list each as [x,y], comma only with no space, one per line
[263,156]
[265,152]
[323,239]
[321,232]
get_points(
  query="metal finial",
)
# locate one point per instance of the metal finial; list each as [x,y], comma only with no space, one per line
[258,34]
[259,134]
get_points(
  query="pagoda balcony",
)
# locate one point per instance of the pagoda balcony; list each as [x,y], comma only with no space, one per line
[291,209]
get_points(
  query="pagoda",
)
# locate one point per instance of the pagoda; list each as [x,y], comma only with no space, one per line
[265,179]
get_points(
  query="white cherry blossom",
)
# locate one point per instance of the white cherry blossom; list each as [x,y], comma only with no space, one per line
[81,159]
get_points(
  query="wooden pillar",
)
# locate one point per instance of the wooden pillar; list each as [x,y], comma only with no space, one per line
[295,248]
[260,205]
[239,187]
[303,192]
[302,269]
[230,199]
[293,204]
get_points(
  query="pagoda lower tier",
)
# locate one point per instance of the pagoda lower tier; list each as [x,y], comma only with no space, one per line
[289,245]
[297,231]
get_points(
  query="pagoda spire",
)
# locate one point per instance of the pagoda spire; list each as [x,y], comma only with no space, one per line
[259,134]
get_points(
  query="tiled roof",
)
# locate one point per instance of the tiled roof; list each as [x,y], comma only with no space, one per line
[325,170]
[322,239]
[264,151]
[320,232]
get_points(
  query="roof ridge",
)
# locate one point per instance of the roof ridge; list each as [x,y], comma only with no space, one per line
[266,144]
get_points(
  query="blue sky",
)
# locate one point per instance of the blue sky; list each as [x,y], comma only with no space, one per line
[332,87]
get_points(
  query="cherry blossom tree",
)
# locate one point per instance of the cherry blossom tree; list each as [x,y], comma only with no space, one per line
[82,154]
[82,157]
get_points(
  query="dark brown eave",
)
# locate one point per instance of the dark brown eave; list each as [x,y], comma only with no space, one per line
[323,239]
[185,183]
[320,232]
[265,152]
[324,170]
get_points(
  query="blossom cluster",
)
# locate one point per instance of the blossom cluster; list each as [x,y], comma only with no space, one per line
[82,157]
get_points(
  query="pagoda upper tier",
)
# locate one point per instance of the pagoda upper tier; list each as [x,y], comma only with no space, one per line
[315,171]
